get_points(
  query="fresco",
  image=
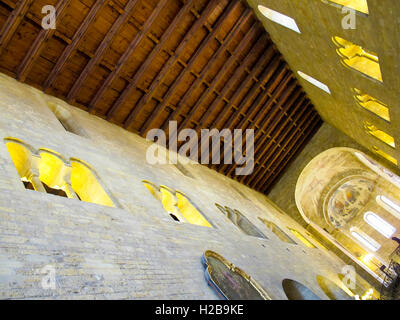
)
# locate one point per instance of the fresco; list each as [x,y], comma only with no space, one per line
[228,281]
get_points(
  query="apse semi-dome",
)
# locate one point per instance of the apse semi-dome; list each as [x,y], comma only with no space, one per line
[334,187]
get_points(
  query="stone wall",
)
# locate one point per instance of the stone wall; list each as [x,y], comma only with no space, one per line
[135,250]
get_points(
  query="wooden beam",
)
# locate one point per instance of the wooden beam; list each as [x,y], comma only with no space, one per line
[234,78]
[38,45]
[257,69]
[293,142]
[260,144]
[229,37]
[142,69]
[282,99]
[177,81]
[221,73]
[76,39]
[12,23]
[101,49]
[166,68]
[128,52]
[270,70]
[291,156]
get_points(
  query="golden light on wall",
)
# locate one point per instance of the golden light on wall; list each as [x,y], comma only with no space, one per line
[189,212]
[20,155]
[277,231]
[358,5]
[303,239]
[371,104]
[384,155]
[358,58]
[177,204]
[379,134]
[86,185]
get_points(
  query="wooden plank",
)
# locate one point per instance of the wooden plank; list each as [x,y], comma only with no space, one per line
[12,23]
[233,79]
[102,48]
[204,43]
[274,112]
[139,73]
[38,45]
[230,36]
[277,141]
[293,142]
[266,76]
[128,52]
[76,39]
[235,57]
[166,68]
[298,147]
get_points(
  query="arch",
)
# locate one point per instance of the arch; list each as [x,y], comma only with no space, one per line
[229,281]
[277,231]
[190,212]
[86,184]
[21,155]
[372,104]
[302,238]
[357,58]
[240,221]
[379,134]
[332,290]
[358,5]
[379,224]
[295,290]
[66,119]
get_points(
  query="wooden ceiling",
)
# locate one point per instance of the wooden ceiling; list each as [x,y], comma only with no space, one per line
[142,63]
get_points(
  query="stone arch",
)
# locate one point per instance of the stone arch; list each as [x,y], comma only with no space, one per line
[295,290]
[332,290]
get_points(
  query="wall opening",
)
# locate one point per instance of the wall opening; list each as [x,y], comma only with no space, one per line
[177,205]
[371,104]
[240,221]
[358,5]
[302,238]
[379,224]
[279,18]
[358,58]
[379,134]
[364,240]
[314,82]
[383,154]
[295,290]
[277,231]
[67,120]
[332,290]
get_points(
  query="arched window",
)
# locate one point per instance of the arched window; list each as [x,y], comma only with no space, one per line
[302,238]
[177,204]
[379,134]
[364,240]
[189,211]
[315,82]
[371,104]
[358,5]
[379,224]
[240,221]
[86,183]
[357,58]
[279,18]
[277,231]
[389,205]
[66,119]
[383,154]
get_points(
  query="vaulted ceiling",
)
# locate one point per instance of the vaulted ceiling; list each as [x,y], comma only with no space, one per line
[142,63]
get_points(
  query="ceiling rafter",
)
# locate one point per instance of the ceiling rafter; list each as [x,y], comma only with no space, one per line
[189,65]
[76,40]
[138,74]
[104,45]
[127,54]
